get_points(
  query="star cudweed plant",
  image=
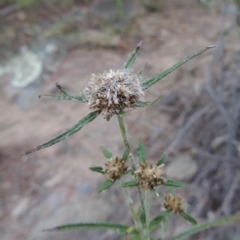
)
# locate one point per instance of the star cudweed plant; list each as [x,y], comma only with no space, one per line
[116,92]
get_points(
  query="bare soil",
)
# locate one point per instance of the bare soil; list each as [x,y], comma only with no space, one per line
[36,190]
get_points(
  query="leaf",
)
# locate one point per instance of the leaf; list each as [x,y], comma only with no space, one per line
[106,153]
[103,225]
[128,64]
[203,226]
[143,217]
[131,183]
[151,81]
[161,159]
[130,171]
[154,223]
[188,218]
[141,152]
[89,118]
[145,104]
[173,183]
[97,169]
[107,184]
[125,155]
[62,97]
[68,96]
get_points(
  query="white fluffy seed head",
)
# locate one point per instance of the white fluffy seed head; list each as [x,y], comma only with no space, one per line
[113,91]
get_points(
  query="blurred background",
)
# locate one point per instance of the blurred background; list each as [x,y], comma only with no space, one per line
[197,124]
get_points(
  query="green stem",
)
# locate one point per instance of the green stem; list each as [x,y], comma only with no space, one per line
[129,201]
[127,145]
[147,209]
[125,139]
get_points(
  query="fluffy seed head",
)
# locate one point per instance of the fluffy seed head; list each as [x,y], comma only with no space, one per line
[113,91]
[149,176]
[174,204]
[115,168]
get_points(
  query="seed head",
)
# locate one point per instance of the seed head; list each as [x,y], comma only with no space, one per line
[174,204]
[113,91]
[115,168]
[149,176]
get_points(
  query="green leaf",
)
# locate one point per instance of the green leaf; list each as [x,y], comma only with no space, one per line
[145,104]
[95,226]
[106,153]
[125,155]
[155,193]
[68,96]
[136,236]
[161,159]
[173,183]
[161,217]
[128,64]
[62,97]
[89,118]
[142,214]
[130,171]
[97,169]
[131,183]
[107,184]
[141,152]
[203,226]
[151,81]
[188,218]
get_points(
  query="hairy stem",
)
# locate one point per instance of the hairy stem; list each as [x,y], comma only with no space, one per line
[127,145]
[129,201]
[125,139]
[147,209]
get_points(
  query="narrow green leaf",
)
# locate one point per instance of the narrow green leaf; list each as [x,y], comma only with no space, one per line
[143,217]
[130,171]
[204,226]
[136,236]
[161,217]
[62,97]
[131,183]
[94,226]
[173,183]
[128,64]
[106,153]
[170,189]
[141,152]
[155,193]
[188,218]
[89,118]
[161,159]
[151,81]
[125,155]
[107,184]
[80,98]
[97,169]
[145,104]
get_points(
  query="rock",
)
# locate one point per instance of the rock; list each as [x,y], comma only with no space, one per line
[181,168]
[25,68]
[21,207]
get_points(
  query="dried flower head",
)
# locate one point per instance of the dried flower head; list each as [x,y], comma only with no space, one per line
[115,168]
[174,204]
[113,91]
[149,176]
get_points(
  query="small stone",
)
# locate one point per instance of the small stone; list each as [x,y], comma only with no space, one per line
[21,207]
[181,168]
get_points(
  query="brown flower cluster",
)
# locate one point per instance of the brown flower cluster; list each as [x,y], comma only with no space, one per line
[149,176]
[113,91]
[115,168]
[174,204]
